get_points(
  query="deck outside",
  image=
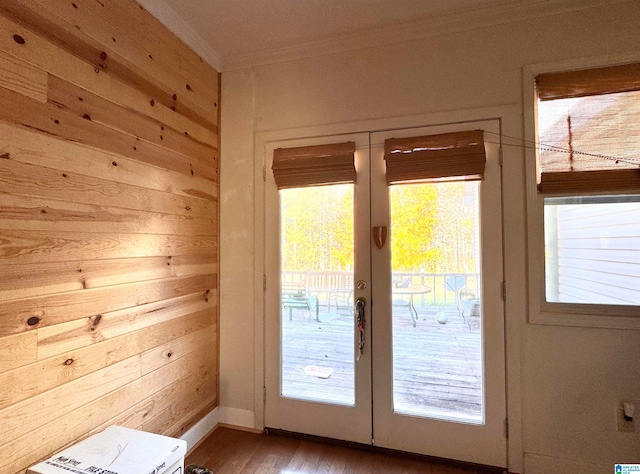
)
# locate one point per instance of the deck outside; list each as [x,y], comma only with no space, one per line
[449,386]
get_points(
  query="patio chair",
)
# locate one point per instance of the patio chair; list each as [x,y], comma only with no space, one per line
[402,282]
[467,301]
[295,295]
[342,297]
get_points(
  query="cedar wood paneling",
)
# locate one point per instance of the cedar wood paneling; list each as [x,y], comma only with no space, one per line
[108,226]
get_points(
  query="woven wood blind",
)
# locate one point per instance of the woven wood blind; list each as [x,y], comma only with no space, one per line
[314,165]
[448,156]
[591,181]
[606,80]
[589,130]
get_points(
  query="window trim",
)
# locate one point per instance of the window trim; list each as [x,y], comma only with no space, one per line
[540,311]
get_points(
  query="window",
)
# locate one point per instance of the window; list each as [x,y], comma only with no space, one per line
[587,135]
[592,249]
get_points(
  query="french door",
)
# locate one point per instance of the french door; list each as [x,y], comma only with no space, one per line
[383,306]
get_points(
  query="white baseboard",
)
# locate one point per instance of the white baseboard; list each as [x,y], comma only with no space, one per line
[539,464]
[201,429]
[224,415]
[237,417]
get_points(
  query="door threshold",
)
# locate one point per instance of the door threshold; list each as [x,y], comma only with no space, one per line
[480,468]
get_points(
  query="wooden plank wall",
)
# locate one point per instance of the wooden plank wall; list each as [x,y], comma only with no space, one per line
[108,226]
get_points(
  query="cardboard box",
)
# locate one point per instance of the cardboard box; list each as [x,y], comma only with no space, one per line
[118,450]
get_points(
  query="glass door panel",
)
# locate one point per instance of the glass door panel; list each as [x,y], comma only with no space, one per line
[436,311]
[437,322]
[317,246]
[316,278]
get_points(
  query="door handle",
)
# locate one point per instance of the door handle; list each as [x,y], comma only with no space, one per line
[361,321]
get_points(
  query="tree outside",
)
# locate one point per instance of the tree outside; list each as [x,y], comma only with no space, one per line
[316,228]
[432,231]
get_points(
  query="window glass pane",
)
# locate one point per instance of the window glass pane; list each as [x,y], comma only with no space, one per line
[317,330]
[437,301]
[589,133]
[592,250]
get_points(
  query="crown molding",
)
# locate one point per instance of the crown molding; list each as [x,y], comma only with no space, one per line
[166,15]
[507,11]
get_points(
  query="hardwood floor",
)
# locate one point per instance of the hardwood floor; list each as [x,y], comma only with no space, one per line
[228,451]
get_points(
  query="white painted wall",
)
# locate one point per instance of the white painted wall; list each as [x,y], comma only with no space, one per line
[564,383]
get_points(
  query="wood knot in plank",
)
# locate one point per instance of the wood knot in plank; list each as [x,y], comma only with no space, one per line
[19,39]
[86,117]
[5,156]
[74,5]
[33,320]
[64,175]
[95,321]
[103,56]
[174,96]
[68,362]
[169,354]
[206,295]
[189,88]
[188,208]
[152,102]
[114,163]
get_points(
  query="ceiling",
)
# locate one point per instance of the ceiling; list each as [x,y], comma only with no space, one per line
[236,33]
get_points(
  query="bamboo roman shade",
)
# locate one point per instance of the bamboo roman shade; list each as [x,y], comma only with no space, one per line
[314,165]
[448,156]
[589,130]
[606,80]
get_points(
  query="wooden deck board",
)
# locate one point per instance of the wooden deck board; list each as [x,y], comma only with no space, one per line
[438,367]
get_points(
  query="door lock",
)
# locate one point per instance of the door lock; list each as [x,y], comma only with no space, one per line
[361,321]
[361,285]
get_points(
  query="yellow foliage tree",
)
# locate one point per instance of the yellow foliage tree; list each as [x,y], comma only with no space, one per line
[316,228]
[432,230]
[413,215]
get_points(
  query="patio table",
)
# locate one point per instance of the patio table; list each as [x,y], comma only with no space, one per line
[411,291]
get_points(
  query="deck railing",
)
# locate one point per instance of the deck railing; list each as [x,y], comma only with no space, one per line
[322,283]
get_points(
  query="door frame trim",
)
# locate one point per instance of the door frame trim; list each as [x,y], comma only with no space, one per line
[515,306]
